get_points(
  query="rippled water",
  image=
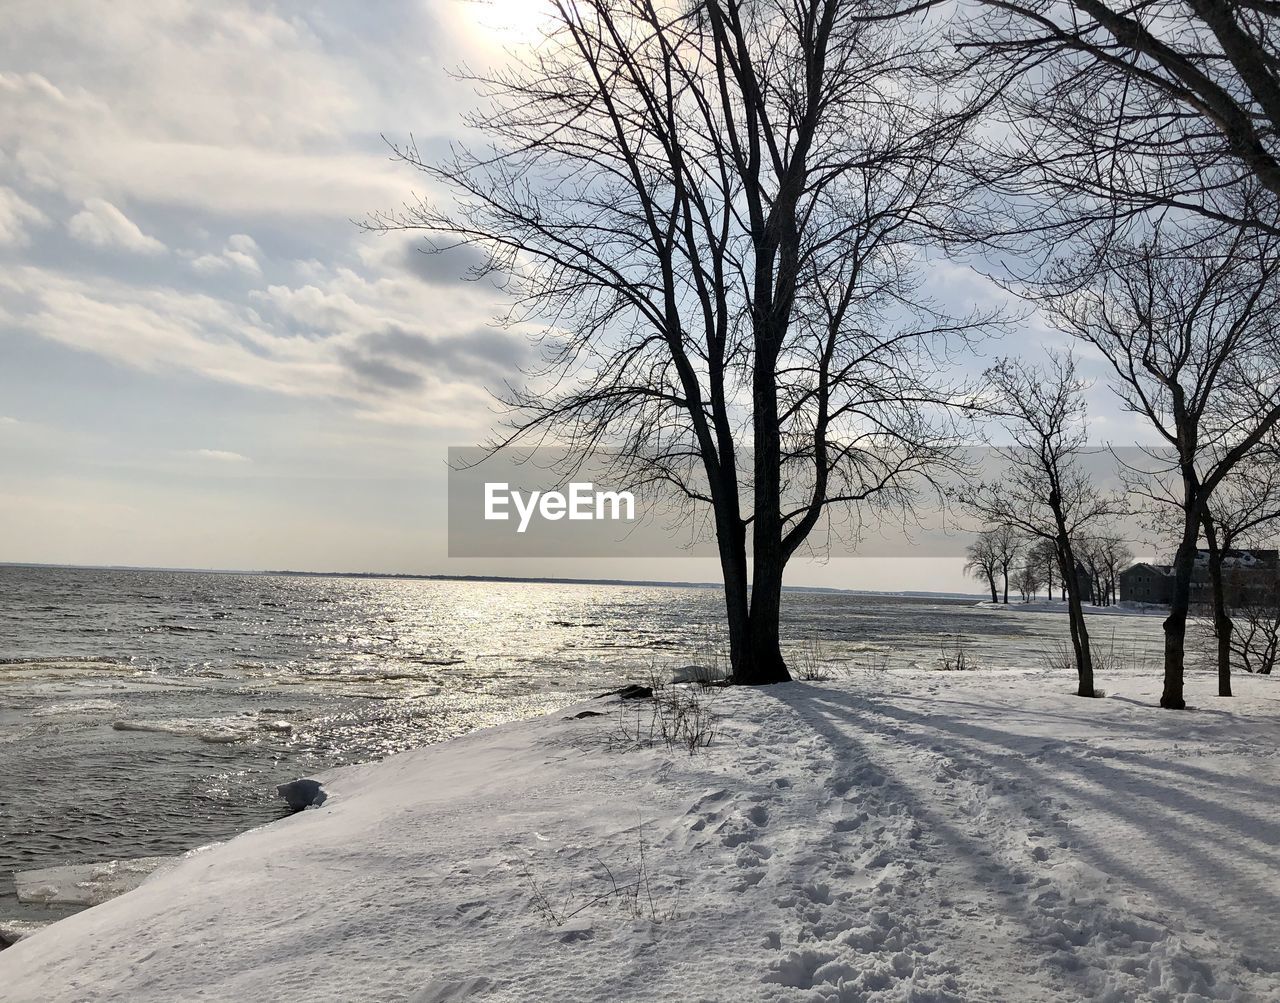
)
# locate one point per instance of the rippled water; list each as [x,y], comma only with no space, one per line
[146,713]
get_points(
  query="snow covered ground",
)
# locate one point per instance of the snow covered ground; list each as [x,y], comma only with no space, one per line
[888,836]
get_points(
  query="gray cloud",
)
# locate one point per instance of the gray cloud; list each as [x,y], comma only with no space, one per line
[398,359]
[441,268]
[376,372]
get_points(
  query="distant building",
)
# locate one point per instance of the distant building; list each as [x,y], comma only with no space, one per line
[1248,576]
[1147,583]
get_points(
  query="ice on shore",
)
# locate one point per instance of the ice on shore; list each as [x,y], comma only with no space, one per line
[14,930]
[215,731]
[884,837]
[85,884]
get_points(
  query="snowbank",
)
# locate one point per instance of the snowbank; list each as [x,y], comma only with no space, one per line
[888,837]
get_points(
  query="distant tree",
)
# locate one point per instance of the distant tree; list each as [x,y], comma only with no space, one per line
[1028,579]
[1044,493]
[1255,642]
[1245,506]
[1008,547]
[1193,343]
[984,561]
[1116,556]
[1045,557]
[1103,556]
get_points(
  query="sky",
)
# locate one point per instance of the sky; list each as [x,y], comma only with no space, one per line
[204,362]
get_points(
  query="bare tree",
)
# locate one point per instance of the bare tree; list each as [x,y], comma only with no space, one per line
[1193,343]
[1028,579]
[717,211]
[1116,555]
[984,561]
[1008,545]
[1044,555]
[1244,506]
[1256,640]
[1104,556]
[1044,494]
[1115,109]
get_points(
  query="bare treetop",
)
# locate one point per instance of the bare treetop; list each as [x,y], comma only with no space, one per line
[719,214]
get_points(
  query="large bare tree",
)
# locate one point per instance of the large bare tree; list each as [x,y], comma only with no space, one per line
[719,211]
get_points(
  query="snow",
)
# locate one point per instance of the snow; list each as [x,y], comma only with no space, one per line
[887,836]
[1127,608]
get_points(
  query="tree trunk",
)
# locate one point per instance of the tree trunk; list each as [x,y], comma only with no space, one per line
[1221,618]
[991,580]
[764,662]
[1006,586]
[733,566]
[1075,616]
[767,663]
[1175,625]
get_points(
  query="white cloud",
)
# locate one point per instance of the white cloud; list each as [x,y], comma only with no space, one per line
[210,264]
[220,455]
[6,420]
[17,218]
[230,108]
[101,224]
[415,378]
[241,252]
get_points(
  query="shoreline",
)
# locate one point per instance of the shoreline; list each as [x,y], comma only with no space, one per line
[1060,606]
[473,868]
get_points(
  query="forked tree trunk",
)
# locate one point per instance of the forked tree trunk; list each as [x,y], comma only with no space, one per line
[1222,625]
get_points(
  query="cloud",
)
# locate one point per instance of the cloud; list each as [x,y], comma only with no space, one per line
[17,218]
[161,330]
[6,420]
[220,455]
[263,125]
[457,264]
[101,224]
[241,251]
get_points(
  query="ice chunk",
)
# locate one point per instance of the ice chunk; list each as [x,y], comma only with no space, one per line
[14,930]
[84,884]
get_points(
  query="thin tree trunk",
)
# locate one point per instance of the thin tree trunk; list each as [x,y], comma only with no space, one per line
[995,597]
[1075,615]
[1221,618]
